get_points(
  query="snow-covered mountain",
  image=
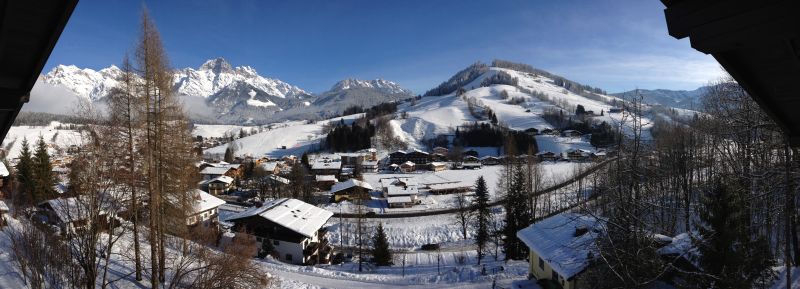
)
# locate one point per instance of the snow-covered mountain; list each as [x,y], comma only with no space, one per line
[688,99]
[363,93]
[87,83]
[239,94]
[378,85]
[217,74]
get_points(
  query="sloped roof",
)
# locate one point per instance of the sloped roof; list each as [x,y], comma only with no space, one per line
[349,184]
[214,170]
[554,240]
[204,201]
[401,190]
[400,200]
[293,214]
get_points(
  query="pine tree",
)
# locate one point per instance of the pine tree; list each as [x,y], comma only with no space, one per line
[43,172]
[727,248]
[25,175]
[517,215]
[480,208]
[380,247]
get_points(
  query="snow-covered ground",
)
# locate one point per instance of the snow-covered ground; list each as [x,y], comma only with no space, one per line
[217,130]
[297,136]
[59,138]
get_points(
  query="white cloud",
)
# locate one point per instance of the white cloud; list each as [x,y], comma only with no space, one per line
[50,98]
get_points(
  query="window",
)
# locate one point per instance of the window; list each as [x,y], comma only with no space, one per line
[275,242]
[288,257]
[541,263]
[555,276]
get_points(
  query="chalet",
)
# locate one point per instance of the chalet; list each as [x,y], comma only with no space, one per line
[71,215]
[490,160]
[470,163]
[441,151]
[350,189]
[615,110]
[561,248]
[397,157]
[325,182]
[408,167]
[438,166]
[416,156]
[369,166]
[548,156]
[400,192]
[270,167]
[369,153]
[401,196]
[288,229]
[571,133]
[351,159]
[578,155]
[218,186]
[204,210]
[327,165]
[215,170]
[449,187]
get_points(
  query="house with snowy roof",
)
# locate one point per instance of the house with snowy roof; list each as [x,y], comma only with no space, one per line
[548,156]
[327,165]
[400,192]
[561,248]
[288,229]
[204,209]
[576,154]
[350,189]
[214,170]
[218,185]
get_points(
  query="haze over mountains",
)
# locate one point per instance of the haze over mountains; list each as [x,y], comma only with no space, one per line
[218,92]
[688,99]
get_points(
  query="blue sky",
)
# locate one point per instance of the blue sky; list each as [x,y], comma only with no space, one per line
[612,44]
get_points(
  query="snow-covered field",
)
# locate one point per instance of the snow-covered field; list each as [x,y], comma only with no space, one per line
[60,138]
[297,136]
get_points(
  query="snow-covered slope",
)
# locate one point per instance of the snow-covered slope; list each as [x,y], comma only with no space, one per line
[533,95]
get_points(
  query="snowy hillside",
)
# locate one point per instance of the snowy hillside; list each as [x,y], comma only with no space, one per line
[55,136]
[523,108]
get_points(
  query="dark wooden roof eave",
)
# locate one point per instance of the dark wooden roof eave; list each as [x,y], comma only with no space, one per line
[29,31]
[758,44]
